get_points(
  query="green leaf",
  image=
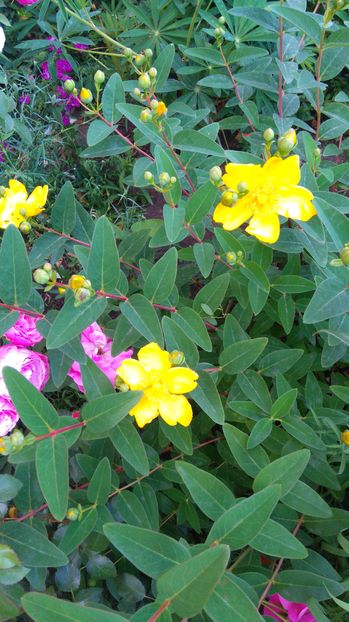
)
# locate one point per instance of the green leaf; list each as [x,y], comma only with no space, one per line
[255,273]
[105,412]
[303,432]
[140,313]
[251,461]
[71,321]
[291,284]
[33,549]
[97,132]
[163,64]
[330,300]
[35,411]
[285,471]
[255,389]
[209,493]
[103,268]
[113,93]
[78,531]
[162,277]
[260,431]
[283,404]
[16,279]
[173,221]
[230,601]
[279,361]
[51,461]
[277,541]
[204,254]
[164,165]
[196,142]
[64,210]
[200,203]
[179,436]
[41,607]
[100,484]
[128,443]
[341,392]
[305,22]
[177,339]
[241,523]
[194,327]
[95,382]
[286,310]
[151,552]
[189,585]
[132,113]
[241,355]
[9,487]
[208,399]
[212,294]
[7,319]
[307,501]
[335,223]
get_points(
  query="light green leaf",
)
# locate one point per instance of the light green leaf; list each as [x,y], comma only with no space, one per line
[162,277]
[284,471]
[103,268]
[16,278]
[64,210]
[51,461]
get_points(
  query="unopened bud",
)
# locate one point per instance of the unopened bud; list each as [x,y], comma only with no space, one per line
[99,77]
[154,104]
[128,52]
[148,53]
[86,96]
[47,267]
[338,4]
[69,85]
[139,60]
[173,180]
[76,281]
[25,227]
[17,439]
[215,173]
[164,179]
[136,92]
[8,558]
[345,437]
[287,142]
[148,176]
[317,152]
[228,198]
[72,514]
[144,81]
[2,191]
[61,290]
[219,33]
[242,187]
[231,257]
[82,295]
[268,135]
[177,357]
[153,72]
[41,277]
[161,109]
[123,387]
[344,255]
[145,116]
[221,20]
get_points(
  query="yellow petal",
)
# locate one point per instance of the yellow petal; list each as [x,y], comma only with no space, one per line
[38,197]
[153,359]
[17,187]
[180,380]
[132,372]
[281,172]
[144,412]
[235,173]
[265,227]
[233,217]
[175,409]
[296,203]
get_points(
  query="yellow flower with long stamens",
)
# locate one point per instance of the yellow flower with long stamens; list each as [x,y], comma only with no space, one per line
[163,386]
[16,206]
[271,190]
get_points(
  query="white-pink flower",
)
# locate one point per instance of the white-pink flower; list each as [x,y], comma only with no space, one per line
[32,365]
[24,332]
[97,346]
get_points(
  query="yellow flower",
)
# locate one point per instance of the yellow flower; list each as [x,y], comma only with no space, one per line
[15,205]
[161,109]
[163,386]
[76,281]
[345,437]
[272,189]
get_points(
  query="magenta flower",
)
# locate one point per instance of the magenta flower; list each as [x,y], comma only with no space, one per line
[31,365]
[45,74]
[97,346]
[63,68]
[27,2]
[23,332]
[81,46]
[24,99]
[280,609]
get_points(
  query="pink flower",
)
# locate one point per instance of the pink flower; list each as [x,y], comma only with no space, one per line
[45,74]
[24,99]
[32,365]
[63,68]
[81,46]
[23,332]
[8,415]
[281,609]
[27,2]
[65,120]
[97,346]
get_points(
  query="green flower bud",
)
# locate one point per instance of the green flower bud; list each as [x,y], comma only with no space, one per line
[139,60]
[164,179]
[72,514]
[81,295]
[123,387]
[231,257]
[268,135]
[41,277]
[137,92]
[144,81]
[219,33]
[99,77]
[317,152]
[154,104]
[86,96]
[148,176]
[25,227]
[153,72]
[177,357]
[242,187]
[2,191]
[69,86]
[148,53]
[173,180]
[47,267]
[17,439]
[215,173]
[221,20]
[344,255]
[128,52]
[145,116]
[336,263]
[339,4]
[287,142]
[228,198]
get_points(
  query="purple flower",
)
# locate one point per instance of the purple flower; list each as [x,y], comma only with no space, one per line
[8,416]
[27,2]
[24,99]
[44,72]
[63,68]
[65,119]
[52,48]
[97,346]
[280,609]
[81,46]
[72,103]
[24,332]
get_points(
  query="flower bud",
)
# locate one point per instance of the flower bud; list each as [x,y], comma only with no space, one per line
[228,198]
[221,20]
[344,255]
[76,281]
[69,85]
[148,53]
[148,176]
[25,227]
[86,96]
[82,295]
[145,116]
[164,179]
[338,4]
[161,109]
[47,267]
[268,135]
[123,387]
[153,72]
[137,92]
[173,180]
[231,257]
[345,437]
[61,290]
[139,60]
[287,142]
[8,558]
[215,173]
[154,104]
[242,187]
[41,277]
[99,77]
[144,81]
[177,357]
[72,514]
[128,52]
[17,439]
[5,445]
[2,191]
[219,33]
[317,152]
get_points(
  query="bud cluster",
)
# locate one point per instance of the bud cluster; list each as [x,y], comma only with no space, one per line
[286,142]
[81,288]
[153,114]
[219,32]
[147,74]
[343,259]
[45,276]
[13,443]
[165,181]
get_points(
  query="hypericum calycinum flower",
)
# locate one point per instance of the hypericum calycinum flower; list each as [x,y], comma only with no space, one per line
[271,189]
[163,386]
[15,205]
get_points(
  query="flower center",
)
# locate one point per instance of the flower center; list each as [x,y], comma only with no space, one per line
[263,199]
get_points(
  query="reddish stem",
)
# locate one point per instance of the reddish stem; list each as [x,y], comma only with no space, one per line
[20,310]
[281,54]
[178,160]
[67,237]
[234,83]
[159,611]
[80,424]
